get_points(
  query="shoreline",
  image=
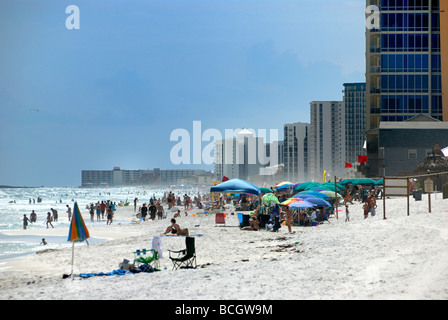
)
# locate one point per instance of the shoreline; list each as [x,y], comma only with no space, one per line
[102,233]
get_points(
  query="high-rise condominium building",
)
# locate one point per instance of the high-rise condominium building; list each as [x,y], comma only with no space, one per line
[406,61]
[327,139]
[240,157]
[295,151]
[355,120]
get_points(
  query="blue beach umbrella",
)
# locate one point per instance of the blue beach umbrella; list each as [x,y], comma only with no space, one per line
[318,202]
[301,205]
[236,186]
[314,193]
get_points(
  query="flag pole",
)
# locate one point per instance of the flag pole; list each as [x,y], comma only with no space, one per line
[336,195]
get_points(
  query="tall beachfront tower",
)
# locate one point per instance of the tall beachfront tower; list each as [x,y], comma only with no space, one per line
[404,65]
[239,157]
[355,120]
[295,151]
[326,148]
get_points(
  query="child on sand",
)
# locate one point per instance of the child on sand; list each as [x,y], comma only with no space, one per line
[288,218]
[366,210]
[347,215]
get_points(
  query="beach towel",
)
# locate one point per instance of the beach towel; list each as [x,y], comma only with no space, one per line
[179,235]
[157,246]
[119,272]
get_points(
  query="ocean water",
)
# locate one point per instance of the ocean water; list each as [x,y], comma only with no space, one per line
[15,202]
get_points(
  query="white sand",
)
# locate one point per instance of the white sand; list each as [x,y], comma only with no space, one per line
[403,257]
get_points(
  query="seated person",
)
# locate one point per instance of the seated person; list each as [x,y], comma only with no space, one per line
[254,224]
[174,228]
[269,225]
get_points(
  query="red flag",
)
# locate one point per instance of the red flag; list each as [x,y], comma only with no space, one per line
[362,159]
[348,165]
[224,179]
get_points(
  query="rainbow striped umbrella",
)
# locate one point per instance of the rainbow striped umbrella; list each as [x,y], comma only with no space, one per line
[78,230]
[297,203]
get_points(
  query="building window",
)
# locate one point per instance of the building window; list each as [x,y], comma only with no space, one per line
[412,153]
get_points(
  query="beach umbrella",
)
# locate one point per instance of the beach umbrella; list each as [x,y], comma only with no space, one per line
[360,181]
[379,182]
[78,231]
[300,204]
[331,194]
[303,195]
[297,201]
[284,186]
[236,186]
[318,202]
[265,190]
[316,194]
[289,201]
[269,198]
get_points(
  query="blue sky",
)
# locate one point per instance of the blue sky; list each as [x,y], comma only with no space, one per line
[111,93]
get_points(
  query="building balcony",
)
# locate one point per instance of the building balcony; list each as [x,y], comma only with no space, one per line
[374,90]
[375,110]
[375,69]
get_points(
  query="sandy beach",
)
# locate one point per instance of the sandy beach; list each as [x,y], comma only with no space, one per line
[402,257]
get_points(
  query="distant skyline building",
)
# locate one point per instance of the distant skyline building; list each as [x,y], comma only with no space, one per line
[327,139]
[404,68]
[355,120]
[240,157]
[119,177]
[295,151]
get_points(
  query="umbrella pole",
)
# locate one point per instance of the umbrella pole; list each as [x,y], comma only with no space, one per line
[73,256]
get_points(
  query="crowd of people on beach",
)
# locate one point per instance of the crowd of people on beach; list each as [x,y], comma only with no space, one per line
[270,217]
[101,208]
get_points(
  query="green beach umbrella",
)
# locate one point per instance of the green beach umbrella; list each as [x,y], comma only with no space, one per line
[265,190]
[269,198]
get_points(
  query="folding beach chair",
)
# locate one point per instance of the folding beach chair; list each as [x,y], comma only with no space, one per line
[144,256]
[264,219]
[244,220]
[220,219]
[184,258]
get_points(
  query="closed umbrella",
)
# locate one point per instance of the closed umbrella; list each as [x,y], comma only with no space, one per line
[78,231]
